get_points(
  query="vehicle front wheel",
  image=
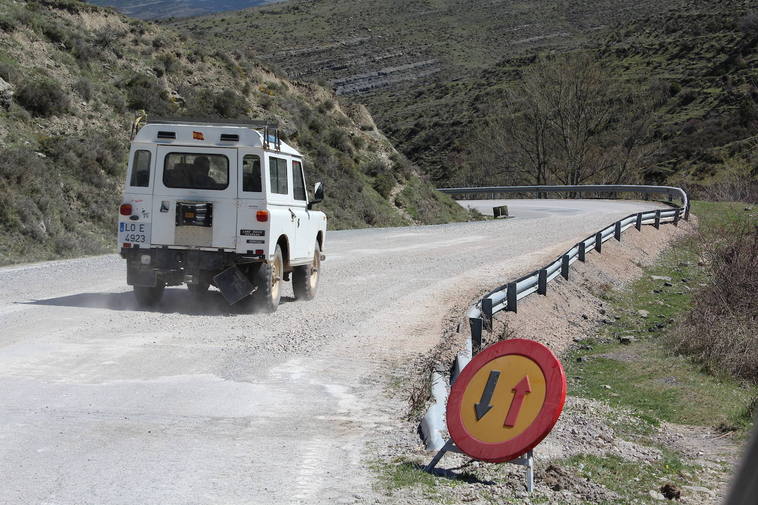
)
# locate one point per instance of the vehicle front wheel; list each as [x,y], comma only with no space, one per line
[148,296]
[268,282]
[305,277]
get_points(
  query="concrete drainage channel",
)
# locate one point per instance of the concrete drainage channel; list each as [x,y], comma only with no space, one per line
[506,297]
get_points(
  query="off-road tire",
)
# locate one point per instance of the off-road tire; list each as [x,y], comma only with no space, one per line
[305,278]
[268,280]
[148,296]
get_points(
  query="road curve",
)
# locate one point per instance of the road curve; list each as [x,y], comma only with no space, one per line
[101,403]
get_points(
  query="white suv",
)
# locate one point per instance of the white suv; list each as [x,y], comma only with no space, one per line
[222,204]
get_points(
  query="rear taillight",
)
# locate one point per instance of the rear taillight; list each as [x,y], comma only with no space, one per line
[126,209]
[262,216]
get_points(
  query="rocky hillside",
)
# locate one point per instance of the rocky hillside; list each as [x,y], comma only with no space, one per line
[357,47]
[74,76]
[178,8]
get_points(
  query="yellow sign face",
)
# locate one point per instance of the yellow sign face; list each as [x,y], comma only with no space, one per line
[503,399]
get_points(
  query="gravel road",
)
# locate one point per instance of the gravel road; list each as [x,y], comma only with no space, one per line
[102,403]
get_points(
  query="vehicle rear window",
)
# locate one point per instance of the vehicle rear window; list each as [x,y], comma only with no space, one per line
[278,175]
[251,173]
[196,171]
[140,169]
[298,186]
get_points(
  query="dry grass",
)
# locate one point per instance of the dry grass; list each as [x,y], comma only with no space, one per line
[721,330]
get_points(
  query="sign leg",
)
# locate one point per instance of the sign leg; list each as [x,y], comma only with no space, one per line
[529,472]
[437,457]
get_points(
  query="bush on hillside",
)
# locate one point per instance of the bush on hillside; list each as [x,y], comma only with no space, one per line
[143,92]
[721,331]
[43,97]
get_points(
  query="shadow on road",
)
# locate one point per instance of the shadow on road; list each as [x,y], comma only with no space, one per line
[174,301]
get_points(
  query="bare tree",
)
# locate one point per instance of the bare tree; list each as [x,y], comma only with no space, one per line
[566,121]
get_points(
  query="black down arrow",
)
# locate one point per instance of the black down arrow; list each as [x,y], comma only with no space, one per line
[484,406]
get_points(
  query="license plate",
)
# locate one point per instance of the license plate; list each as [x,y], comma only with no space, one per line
[134,233]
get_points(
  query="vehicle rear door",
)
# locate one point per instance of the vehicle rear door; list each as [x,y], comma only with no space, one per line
[194,199]
[306,227]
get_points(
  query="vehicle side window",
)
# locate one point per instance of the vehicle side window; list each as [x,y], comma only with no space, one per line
[298,186]
[140,169]
[251,173]
[278,175]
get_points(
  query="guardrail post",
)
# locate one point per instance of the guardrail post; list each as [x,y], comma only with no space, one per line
[512,301]
[582,251]
[676,217]
[599,242]
[617,231]
[542,282]
[565,264]
[687,212]
[475,323]
[657,219]
[638,223]
[487,312]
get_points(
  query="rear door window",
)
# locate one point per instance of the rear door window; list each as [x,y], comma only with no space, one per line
[278,175]
[196,171]
[140,169]
[251,173]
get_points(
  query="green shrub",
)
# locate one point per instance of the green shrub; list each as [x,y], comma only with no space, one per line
[84,88]
[43,97]
[143,92]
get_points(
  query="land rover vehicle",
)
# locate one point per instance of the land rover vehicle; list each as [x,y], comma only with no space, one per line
[219,204]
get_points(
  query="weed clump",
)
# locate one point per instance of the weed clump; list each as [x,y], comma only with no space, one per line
[721,330]
[43,98]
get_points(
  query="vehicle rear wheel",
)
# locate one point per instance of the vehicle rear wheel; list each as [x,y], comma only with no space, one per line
[268,281]
[305,277]
[148,296]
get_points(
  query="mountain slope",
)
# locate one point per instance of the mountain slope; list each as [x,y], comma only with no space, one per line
[434,73]
[78,75]
[362,46]
[153,9]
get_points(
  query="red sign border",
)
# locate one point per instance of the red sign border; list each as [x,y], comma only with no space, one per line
[555,397]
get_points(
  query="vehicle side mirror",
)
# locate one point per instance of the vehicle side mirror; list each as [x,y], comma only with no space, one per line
[318,195]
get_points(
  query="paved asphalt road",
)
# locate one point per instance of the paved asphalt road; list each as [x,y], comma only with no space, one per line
[102,403]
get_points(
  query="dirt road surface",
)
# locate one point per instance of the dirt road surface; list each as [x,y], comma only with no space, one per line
[102,403]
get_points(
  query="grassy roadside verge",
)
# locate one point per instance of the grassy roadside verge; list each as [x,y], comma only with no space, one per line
[632,363]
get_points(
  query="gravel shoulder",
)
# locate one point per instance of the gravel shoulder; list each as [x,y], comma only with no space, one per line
[193,403]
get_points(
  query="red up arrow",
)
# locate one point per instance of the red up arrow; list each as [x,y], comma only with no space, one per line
[520,390]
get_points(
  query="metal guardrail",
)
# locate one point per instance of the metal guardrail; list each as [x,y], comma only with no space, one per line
[507,296]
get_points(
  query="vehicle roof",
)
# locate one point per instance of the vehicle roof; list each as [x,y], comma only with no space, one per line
[211,136]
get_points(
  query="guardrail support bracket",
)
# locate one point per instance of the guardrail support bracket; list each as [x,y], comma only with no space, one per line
[512,299]
[542,282]
[487,313]
[476,325]
[565,264]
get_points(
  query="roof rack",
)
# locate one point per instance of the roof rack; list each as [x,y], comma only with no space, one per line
[270,128]
[251,123]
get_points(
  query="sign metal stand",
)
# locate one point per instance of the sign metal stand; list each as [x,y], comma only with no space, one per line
[526,460]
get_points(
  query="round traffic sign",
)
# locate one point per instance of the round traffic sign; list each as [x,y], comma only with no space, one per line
[506,400]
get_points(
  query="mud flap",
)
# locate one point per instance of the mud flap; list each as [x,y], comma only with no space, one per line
[234,285]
